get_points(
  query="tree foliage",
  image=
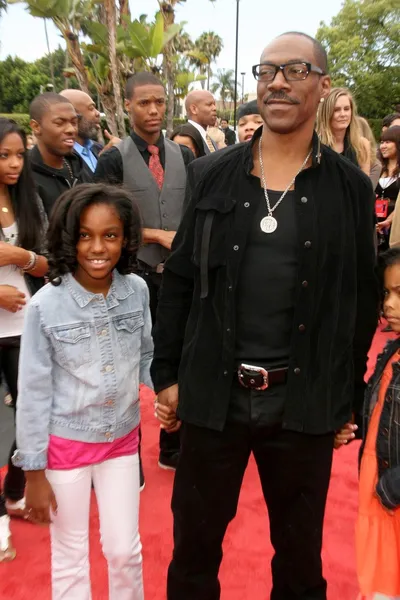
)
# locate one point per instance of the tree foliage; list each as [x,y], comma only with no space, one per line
[21,81]
[224,84]
[105,46]
[363,42]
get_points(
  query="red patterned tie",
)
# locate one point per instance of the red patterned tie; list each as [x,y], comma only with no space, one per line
[155,165]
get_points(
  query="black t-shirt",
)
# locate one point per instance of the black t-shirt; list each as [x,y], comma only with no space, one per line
[265,299]
[265,295]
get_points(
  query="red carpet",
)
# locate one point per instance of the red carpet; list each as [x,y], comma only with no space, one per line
[245,571]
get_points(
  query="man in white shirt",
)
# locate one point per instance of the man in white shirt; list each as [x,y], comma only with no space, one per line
[201,110]
[88,126]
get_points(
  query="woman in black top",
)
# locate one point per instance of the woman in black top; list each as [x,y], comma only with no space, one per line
[23,227]
[388,187]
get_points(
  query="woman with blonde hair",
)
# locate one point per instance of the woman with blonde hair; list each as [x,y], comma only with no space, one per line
[375,165]
[338,128]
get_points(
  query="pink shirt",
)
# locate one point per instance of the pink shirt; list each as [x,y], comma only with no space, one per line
[70,454]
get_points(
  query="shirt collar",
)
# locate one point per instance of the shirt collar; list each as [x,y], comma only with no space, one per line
[248,152]
[142,144]
[199,128]
[85,149]
[119,290]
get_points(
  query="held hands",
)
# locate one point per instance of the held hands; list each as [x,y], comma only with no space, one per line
[166,405]
[40,498]
[11,298]
[345,435]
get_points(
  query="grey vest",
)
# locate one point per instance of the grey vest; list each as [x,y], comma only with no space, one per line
[160,209]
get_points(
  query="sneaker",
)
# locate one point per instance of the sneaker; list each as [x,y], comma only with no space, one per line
[17,509]
[168,462]
[141,475]
[7,550]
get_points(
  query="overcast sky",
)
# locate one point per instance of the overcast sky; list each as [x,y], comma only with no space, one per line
[260,21]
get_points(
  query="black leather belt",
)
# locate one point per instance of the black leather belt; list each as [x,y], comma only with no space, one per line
[258,378]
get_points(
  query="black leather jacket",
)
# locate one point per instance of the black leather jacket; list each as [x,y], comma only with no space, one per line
[387,444]
[336,303]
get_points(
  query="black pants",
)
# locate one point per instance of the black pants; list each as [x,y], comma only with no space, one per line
[14,482]
[169,442]
[294,469]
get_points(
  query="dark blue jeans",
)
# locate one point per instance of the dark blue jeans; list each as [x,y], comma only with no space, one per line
[14,482]
[294,470]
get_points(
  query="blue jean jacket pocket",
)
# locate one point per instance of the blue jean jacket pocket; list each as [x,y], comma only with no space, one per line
[129,332]
[72,345]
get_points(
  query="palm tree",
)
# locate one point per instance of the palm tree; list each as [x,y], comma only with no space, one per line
[167,8]
[224,85]
[209,44]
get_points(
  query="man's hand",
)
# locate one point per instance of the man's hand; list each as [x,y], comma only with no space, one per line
[166,238]
[158,236]
[345,435]
[11,298]
[39,497]
[166,405]
[113,140]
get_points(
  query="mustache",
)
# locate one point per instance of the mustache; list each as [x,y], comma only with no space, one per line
[280,96]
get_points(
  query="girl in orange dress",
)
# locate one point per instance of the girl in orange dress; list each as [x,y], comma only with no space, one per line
[378,522]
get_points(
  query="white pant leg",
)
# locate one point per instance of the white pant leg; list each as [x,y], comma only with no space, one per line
[70,534]
[116,484]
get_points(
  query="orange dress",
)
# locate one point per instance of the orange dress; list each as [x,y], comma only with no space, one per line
[377,529]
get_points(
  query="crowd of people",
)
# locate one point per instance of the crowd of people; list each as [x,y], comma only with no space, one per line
[233,274]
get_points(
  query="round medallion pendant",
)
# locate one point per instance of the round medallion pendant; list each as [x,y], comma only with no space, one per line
[268,224]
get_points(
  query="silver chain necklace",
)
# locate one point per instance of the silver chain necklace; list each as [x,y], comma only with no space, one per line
[269,224]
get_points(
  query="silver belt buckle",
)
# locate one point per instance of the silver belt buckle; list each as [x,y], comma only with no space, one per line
[255,369]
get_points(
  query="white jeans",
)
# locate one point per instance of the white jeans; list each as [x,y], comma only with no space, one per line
[116,483]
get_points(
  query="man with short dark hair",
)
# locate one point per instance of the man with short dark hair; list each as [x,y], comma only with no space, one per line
[154,169]
[230,136]
[56,166]
[268,308]
[88,126]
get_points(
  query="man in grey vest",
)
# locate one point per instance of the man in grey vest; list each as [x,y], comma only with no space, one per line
[154,169]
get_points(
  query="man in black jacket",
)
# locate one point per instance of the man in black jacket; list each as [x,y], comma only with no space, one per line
[268,308]
[230,136]
[56,166]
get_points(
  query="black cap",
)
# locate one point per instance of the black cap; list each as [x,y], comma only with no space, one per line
[250,108]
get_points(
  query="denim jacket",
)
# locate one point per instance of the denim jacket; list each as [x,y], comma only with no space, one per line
[82,358]
[388,440]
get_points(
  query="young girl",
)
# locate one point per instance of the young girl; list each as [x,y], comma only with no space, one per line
[378,523]
[22,230]
[86,346]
